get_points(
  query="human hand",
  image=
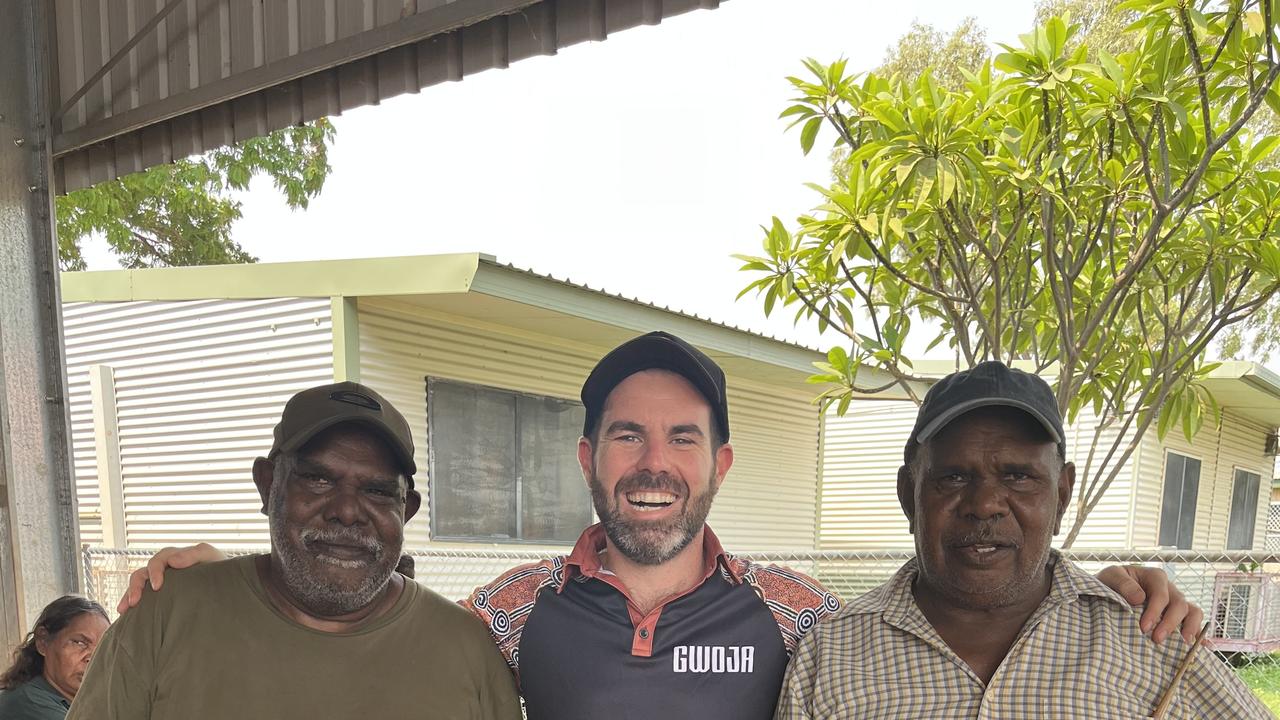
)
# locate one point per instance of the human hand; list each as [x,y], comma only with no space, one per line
[169,557]
[1167,611]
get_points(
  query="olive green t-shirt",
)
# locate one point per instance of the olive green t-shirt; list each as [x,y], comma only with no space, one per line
[212,646]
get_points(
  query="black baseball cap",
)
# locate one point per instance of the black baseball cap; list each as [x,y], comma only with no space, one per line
[317,409]
[984,385]
[656,351]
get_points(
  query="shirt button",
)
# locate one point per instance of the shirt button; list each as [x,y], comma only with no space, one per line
[644,633]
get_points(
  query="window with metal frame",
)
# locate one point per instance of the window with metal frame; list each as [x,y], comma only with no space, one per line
[503,465]
[1178,509]
[1244,509]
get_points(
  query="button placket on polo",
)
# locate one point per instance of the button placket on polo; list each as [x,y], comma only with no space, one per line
[642,637]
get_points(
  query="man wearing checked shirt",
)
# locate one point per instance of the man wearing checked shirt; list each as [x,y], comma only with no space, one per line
[649,618]
[987,621]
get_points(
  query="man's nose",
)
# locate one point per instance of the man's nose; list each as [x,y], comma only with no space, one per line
[656,458]
[985,499]
[345,507]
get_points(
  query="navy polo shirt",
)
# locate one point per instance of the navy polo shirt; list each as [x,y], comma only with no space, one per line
[581,649]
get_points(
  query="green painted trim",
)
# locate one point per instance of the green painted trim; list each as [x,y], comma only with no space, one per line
[365,277]
[346,338]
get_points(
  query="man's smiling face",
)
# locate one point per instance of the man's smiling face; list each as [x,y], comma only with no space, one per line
[337,513]
[654,466]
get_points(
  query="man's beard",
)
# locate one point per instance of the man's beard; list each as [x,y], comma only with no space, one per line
[650,542]
[307,577]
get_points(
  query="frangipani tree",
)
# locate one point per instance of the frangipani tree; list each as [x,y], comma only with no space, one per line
[1101,221]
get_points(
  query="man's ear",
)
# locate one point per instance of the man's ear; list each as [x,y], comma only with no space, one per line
[1066,486]
[907,496]
[586,458]
[412,502]
[42,641]
[264,473]
[724,461]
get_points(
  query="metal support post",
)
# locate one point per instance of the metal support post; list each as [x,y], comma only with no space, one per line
[38,529]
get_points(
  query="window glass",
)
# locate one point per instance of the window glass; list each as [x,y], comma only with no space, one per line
[503,465]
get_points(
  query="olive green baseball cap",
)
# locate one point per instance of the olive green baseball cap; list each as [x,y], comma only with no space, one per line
[317,409]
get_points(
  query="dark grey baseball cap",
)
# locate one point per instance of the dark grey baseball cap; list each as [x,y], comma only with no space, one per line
[317,409]
[656,351]
[987,384]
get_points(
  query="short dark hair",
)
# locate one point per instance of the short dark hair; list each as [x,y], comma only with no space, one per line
[28,663]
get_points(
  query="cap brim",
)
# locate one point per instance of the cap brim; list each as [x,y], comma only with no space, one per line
[304,436]
[955,411]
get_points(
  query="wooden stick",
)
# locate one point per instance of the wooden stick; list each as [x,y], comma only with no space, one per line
[1167,699]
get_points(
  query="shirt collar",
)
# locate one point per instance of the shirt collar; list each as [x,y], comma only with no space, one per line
[585,558]
[1071,583]
[896,602]
[39,682]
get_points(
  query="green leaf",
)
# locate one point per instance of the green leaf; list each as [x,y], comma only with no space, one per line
[1112,68]
[838,358]
[1254,23]
[1263,148]
[1272,98]
[803,110]
[809,134]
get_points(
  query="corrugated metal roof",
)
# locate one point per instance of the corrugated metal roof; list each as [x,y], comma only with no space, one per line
[145,82]
[490,260]
[356,277]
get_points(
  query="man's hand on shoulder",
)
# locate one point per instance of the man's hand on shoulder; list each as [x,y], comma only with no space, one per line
[1167,611]
[169,557]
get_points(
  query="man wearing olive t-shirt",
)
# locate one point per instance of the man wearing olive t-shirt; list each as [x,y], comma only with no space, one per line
[323,626]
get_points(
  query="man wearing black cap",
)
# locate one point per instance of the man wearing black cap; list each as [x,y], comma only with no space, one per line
[988,621]
[322,626]
[649,617]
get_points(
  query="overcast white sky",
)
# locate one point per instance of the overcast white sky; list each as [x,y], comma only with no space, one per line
[637,165]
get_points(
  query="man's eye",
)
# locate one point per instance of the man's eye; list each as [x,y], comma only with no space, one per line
[314,480]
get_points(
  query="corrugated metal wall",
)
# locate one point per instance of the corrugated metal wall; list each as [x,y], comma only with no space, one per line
[199,386]
[862,452]
[213,72]
[768,500]
[1109,524]
[79,325]
[1239,444]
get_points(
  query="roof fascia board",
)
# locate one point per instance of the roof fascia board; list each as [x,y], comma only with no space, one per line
[1263,379]
[364,277]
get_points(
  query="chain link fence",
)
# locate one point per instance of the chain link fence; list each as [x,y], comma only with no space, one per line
[1273,527]
[1239,592]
